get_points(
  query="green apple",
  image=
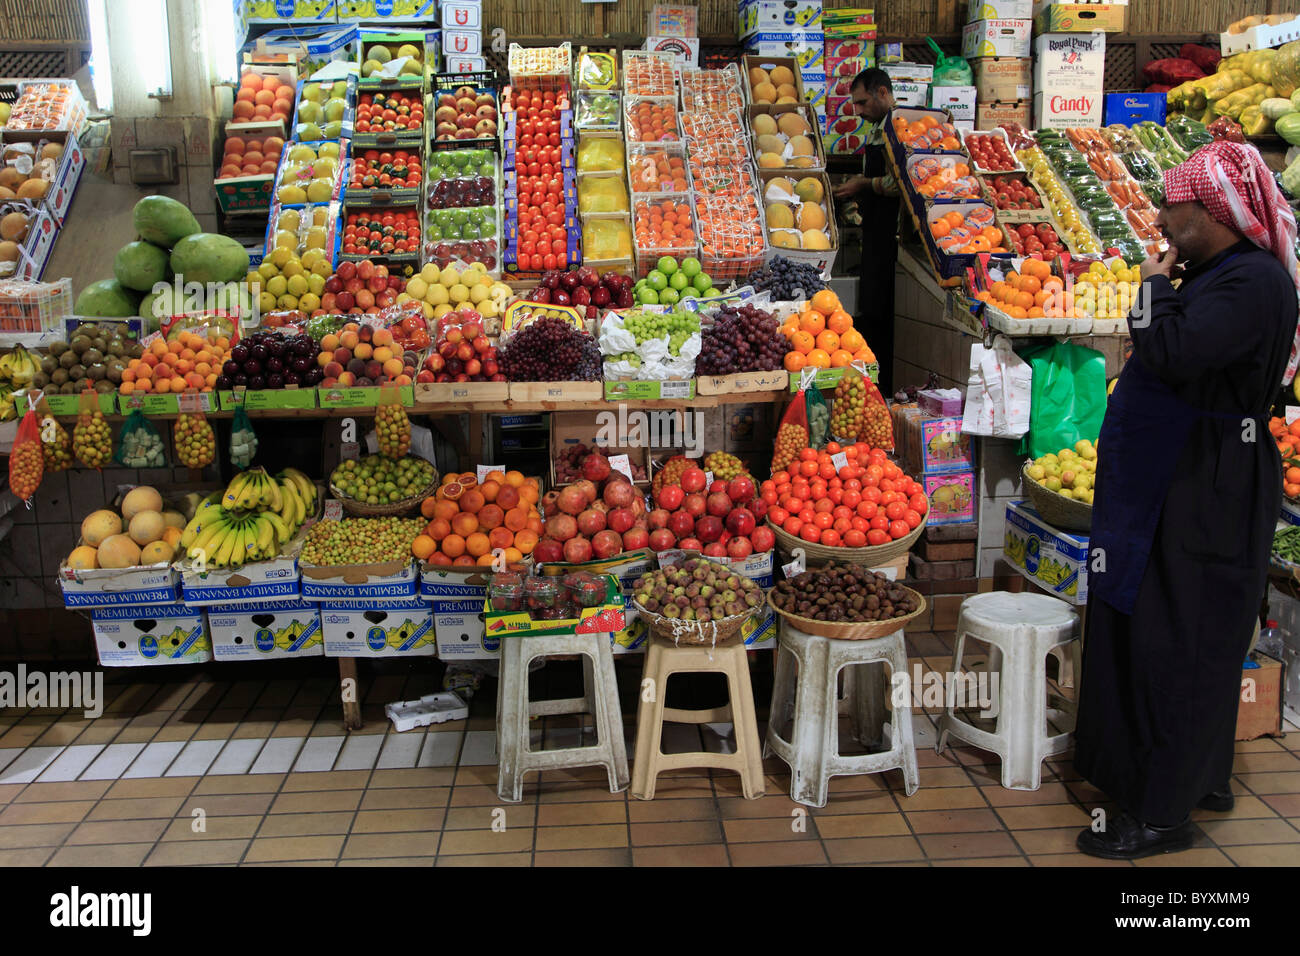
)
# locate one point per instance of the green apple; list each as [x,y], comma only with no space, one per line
[702,282]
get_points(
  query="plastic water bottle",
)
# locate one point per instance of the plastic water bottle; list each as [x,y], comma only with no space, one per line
[1270,640]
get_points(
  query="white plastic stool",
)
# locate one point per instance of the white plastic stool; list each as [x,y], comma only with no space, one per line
[1021,629]
[600,699]
[813,751]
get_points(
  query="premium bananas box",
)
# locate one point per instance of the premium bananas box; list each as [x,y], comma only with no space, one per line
[106,587]
[274,580]
[279,11]
[141,635]
[395,581]
[369,628]
[265,631]
[1056,561]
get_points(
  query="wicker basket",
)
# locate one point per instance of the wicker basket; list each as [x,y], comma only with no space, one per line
[1059,512]
[816,555]
[694,633]
[851,630]
[361,509]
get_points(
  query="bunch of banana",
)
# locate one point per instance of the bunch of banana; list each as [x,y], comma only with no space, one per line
[253,490]
[218,538]
[299,496]
[18,367]
[8,405]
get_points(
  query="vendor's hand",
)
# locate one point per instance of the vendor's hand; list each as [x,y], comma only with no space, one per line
[1161,264]
[851,187]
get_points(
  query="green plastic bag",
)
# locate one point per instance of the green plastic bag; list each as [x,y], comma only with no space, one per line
[950,70]
[1068,397]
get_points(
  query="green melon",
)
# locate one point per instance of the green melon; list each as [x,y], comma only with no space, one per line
[164,221]
[205,257]
[107,298]
[140,265]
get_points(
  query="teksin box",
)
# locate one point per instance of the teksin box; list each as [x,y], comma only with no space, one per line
[143,635]
[267,630]
[996,38]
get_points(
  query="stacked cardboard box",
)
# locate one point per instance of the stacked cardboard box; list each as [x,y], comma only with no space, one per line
[1069,70]
[850,49]
[996,42]
[462,36]
[789,28]
[675,30]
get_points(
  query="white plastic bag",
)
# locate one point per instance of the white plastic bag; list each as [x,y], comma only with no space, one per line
[998,392]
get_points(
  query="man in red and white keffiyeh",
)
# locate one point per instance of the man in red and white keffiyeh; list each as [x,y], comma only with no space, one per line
[1188,488]
[1236,188]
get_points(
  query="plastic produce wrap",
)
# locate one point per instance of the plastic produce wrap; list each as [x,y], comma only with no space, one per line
[243,440]
[597,110]
[606,239]
[658,169]
[663,227]
[651,119]
[650,344]
[540,61]
[600,155]
[304,228]
[599,194]
[709,90]
[649,73]
[597,71]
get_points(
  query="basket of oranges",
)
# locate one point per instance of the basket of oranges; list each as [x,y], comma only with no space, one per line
[821,335]
[1033,301]
[469,520]
[957,232]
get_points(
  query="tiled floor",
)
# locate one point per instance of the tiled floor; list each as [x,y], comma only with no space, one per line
[234,767]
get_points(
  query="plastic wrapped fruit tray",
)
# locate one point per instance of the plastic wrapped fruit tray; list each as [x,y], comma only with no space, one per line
[1046,325]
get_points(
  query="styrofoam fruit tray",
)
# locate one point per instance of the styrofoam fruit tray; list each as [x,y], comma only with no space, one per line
[1046,325]
[965,134]
[429,709]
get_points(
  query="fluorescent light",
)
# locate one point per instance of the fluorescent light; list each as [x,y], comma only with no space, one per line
[154,46]
[101,70]
[220,26]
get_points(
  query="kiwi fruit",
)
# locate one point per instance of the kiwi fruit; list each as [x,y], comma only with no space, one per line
[68,359]
[69,388]
[40,380]
[77,373]
[57,348]
[96,372]
[105,387]
[80,343]
[49,364]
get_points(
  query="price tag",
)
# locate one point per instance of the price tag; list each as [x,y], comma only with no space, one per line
[669,558]
[350,451]
[333,510]
[484,471]
[238,395]
[840,460]
[708,480]
[796,566]
[194,402]
[1292,413]
[622,464]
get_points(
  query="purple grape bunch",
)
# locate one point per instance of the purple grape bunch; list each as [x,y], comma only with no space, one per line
[742,338]
[267,359]
[550,350]
[787,281]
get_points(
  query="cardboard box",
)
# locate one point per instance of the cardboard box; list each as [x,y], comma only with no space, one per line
[957,100]
[772,16]
[603,619]
[916,72]
[1129,109]
[1068,62]
[741,382]
[464,64]
[999,10]
[993,115]
[808,50]
[460,633]
[373,11]
[456,43]
[821,259]
[59,196]
[584,428]
[996,38]
[269,630]
[158,584]
[1053,17]
[267,398]
[142,635]
[274,580]
[908,93]
[1259,709]
[670,20]
[952,497]
[1054,560]
[1002,78]
[395,581]
[685,49]
[368,628]
[930,445]
[361,396]
[1067,110]
[310,11]
[640,391]
[458,15]
[854,47]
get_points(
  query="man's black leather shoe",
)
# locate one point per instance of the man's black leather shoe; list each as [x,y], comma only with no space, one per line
[1126,838]
[1220,801]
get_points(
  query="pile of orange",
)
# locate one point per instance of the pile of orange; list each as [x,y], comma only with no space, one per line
[652,122]
[664,224]
[927,133]
[469,520]
[1288,445]
[823,336]
[1032,293]
[971,232]
[189,363]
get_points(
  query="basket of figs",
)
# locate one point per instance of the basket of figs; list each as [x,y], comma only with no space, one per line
[697,602]
[845,601]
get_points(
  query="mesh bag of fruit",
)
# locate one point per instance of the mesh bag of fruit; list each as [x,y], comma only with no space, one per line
[243,440]
[196,444]
[56,443]
[819,414]
[140,445]
[92,441]
[27,460]
[392,426]
[877,426]
[792,434]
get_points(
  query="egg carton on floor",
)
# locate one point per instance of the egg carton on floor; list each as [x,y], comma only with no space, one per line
[429,709]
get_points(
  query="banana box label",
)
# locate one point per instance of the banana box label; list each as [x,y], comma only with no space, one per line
[392,580]
[1056,561]
[154,634]
[377,629]
[277,11]
[107,587]
[266,631]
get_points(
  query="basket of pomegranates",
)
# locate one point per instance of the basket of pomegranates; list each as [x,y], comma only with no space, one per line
[697,602]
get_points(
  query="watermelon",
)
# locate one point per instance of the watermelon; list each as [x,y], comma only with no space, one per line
[163,221]
[205,257]
[107,298]
[140,266]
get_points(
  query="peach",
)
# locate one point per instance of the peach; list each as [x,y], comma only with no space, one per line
[363,350]
[347,379]
[383,337]
[392,367]
[329,342]
[343,356]
[349,339]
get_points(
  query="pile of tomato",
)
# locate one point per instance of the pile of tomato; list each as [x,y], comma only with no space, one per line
[387,232]
[375,170]
[389,112]
[539,172]
[866,502]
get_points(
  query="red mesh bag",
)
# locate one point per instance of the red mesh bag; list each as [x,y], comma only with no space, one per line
[26,460]
[792,435]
